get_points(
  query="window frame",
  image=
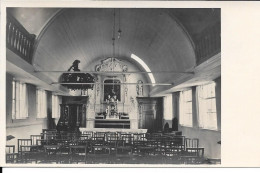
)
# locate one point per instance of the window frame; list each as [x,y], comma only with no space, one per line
[55,103]
[167,100]
[42,106]
[203,121]
[20,100]
[184,109]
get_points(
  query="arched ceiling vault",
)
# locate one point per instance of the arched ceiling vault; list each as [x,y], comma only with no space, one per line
[162,38]
[86,34]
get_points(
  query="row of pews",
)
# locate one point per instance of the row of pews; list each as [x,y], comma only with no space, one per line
[106,147]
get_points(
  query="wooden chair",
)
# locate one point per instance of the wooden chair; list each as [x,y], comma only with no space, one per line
[31,153]
[139,137]
[22,142]
[171,150]
[28,152]
[124,153]
[100,134]
[112,136]
[168,135]
[37,143]
[78,153]
[145,151]
[144,148]
[62,142]
[98,140]
[84,137]
[72,136]
[88,133]
[11,156]
[191,142]
[80,141]
[49,134]
[51,153]
[64,136]
[193,156]
[34,138]
[50,138]
[172,155]
[179,141]
[170,143]
[99,150]
[155,137]
[127,138]
[112,144]
[62,153]
[41,142]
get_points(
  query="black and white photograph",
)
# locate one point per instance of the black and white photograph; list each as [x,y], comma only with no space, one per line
[113,86]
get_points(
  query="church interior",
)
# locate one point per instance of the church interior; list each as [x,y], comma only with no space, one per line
[113,86]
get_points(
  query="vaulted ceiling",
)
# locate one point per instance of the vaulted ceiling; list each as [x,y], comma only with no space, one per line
[162,38]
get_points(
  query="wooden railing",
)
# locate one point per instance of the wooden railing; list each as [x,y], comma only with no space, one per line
[209,43]
[18,39]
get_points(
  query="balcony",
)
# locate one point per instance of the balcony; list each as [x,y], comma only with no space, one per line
[18,39]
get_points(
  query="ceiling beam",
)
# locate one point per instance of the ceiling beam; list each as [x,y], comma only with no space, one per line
[68,83]
[113,72]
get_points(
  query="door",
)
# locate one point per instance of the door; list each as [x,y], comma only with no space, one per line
[150,114]
[72,116]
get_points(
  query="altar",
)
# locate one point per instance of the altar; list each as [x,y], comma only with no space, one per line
[112,104]
[112,123]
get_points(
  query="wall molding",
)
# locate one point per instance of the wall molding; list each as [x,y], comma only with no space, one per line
[16,125]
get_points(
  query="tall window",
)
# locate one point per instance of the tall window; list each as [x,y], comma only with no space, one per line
[167,104]
[207,106]
[55,106]
[186,108]
[41,103]
[19,100]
